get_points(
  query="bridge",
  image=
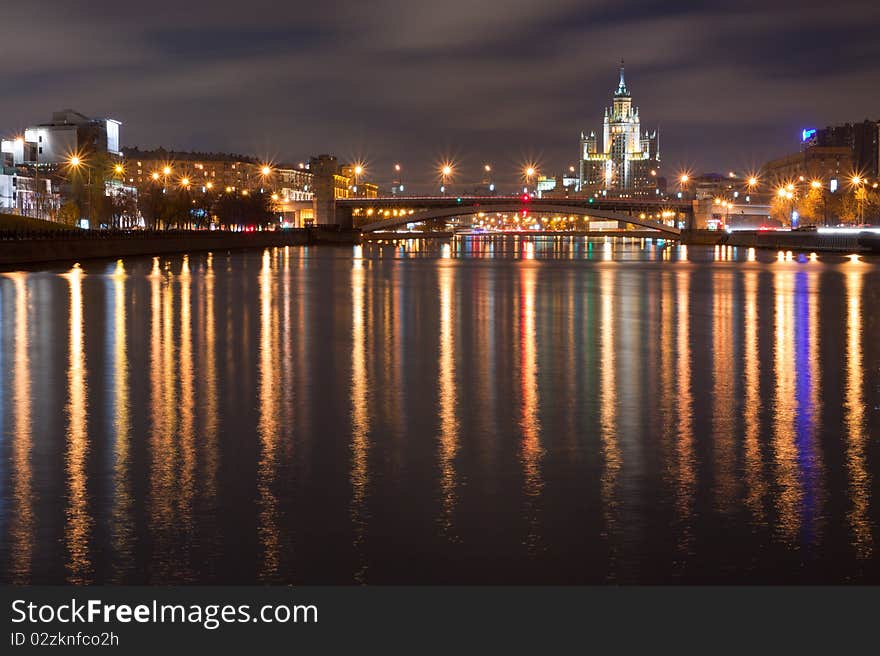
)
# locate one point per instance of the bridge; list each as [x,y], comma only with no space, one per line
[387,213]
[374,214]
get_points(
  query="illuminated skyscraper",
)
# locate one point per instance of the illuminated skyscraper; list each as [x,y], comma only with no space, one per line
[629,162]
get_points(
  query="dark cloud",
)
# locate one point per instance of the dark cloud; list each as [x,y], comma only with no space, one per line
[728,84]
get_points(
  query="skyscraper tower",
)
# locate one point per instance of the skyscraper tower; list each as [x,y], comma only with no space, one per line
[628,157]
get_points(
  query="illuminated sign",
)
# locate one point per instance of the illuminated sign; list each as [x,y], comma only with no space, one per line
[806,135]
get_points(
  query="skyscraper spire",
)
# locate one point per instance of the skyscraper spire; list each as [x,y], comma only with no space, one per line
[621,87]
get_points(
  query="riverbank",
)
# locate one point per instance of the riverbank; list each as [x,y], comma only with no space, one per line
[795,240]
[75,246]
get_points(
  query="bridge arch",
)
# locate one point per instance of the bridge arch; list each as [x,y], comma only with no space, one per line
[532,206]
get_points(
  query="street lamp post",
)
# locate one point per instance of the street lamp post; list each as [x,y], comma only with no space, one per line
[857,183]
[75,162]
[398,180]
[358,170]
[682,191]
[818,186]
[487,178]
[445,174]
[529,173]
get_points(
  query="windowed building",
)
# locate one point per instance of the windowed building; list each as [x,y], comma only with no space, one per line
[628,161]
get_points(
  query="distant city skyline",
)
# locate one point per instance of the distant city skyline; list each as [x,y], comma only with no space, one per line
[730,86]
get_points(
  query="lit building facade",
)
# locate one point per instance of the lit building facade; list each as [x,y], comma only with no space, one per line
[824,163]
[52,144]
[862,140]
[23,191]
[628,162]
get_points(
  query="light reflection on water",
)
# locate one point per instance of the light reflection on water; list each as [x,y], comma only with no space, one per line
[480,410]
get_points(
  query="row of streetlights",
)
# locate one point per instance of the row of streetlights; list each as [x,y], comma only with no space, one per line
[76,162]
[446,170]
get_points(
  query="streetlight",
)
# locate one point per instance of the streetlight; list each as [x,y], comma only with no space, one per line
[397,186]
[787,193]
[528,173]
[358,171]
[75,162]
[817,185]
[857,182]
[265,172]
[446,172]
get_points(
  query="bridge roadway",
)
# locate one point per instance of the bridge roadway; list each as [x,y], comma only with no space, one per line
[439,207]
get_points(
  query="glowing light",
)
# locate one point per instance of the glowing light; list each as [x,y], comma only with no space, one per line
[155,175]
[815,184]
[166,170]
[266,170]
[184,182]
[753,181]
[118,168]
[75,160]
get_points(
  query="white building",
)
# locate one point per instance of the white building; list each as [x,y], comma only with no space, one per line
[68,133]
[28,195]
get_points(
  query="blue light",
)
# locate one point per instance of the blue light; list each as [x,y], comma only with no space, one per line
[807,133]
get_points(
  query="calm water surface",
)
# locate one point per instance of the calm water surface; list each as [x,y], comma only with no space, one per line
[481,411]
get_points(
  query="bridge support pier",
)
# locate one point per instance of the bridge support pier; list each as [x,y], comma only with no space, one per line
[324,170]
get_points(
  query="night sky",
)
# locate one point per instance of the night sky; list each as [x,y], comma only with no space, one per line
[729,84]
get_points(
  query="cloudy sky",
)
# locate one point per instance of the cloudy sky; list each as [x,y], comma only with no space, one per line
[503,81]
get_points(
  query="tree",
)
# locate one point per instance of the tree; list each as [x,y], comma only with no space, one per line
[123,210]
[234,210]
[780,209]
[69,213]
